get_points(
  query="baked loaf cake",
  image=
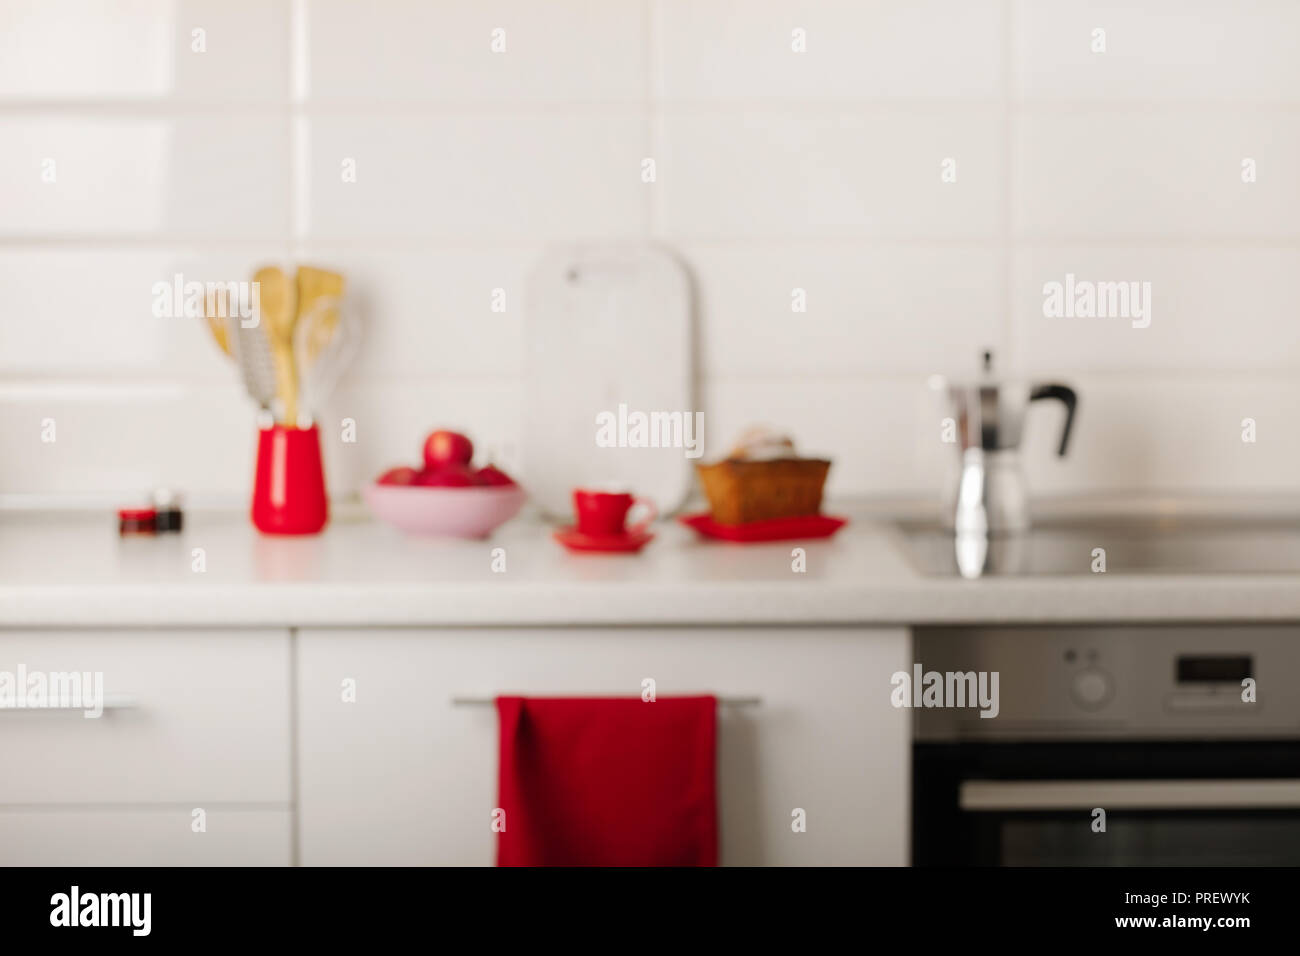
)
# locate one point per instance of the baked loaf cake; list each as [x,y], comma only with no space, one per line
[762,478]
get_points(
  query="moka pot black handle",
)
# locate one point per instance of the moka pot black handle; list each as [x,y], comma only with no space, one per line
[1067,397]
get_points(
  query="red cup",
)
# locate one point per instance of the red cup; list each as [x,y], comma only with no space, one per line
[605,513]
[289,485]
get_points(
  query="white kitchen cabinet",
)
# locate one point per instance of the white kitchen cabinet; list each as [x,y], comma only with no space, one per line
[208,720]
[144,836]
[400,776]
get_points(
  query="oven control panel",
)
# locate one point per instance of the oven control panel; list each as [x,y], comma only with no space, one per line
[1099,682]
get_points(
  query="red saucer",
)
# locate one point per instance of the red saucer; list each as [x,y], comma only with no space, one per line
[774,529]
[626,543]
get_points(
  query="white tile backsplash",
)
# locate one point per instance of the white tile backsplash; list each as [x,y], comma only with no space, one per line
[775,170]
[125,440]
[1157,50]
[1169,433]
[160,50]
[438,312]
[852,49]
[205,175]
[1163,174]
[749,174]
[1212,308]
[90,311]
[869,308]
[410,51]
[456,177]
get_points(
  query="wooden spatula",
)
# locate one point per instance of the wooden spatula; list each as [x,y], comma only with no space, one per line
[319,289]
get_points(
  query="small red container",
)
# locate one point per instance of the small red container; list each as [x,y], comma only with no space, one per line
[289,486]
[136,521]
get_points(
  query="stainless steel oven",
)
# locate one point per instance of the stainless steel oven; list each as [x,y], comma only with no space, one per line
[1186,739]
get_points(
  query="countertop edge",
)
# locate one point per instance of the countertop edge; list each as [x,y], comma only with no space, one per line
[917,603]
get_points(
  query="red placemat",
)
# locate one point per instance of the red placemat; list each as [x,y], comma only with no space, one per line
[775,529]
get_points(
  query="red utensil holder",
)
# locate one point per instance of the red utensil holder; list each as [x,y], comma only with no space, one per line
[289,485]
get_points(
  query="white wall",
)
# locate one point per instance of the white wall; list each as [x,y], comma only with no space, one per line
[776,170]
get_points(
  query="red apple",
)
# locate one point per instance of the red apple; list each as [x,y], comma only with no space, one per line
[399,476]
[448,476]
[444,448]
[492,475]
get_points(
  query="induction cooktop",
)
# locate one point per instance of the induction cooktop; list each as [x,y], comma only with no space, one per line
[1255,545]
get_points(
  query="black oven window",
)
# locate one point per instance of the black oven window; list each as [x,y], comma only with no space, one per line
[947,833]
[1254,839]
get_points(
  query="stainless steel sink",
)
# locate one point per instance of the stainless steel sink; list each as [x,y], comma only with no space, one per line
[1255,545]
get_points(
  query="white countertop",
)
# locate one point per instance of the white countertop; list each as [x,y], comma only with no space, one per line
[71,569]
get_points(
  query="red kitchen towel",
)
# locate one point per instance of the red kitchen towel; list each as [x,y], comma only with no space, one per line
[608,782]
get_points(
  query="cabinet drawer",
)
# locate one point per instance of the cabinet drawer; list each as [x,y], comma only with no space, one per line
[208,720]
[400,776]
[131,836]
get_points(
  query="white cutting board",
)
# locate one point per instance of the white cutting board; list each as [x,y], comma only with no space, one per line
[606,324]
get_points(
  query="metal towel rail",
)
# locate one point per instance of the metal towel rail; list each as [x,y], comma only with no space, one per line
[489,701]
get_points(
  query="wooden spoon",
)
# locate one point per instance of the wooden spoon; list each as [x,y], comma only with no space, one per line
[279,315]
[217,320]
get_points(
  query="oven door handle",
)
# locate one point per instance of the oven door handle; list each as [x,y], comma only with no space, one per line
[1030,795]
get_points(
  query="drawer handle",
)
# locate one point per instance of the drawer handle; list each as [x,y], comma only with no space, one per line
[111,702]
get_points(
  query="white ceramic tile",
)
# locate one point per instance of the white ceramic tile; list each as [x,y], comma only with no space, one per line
[191,176]
[1160,49]
[869,307]
[90,311]
[881,437]
[463,177]
[1169,174]
[143,49]
[430,312]
[743,49]
[1218,307]
[407,51]
[813,174]
[1169,434]
[125,440]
